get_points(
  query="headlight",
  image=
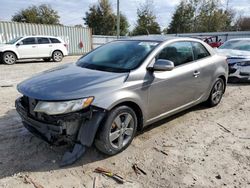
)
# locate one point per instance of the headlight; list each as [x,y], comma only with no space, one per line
[244,63]
[63,107]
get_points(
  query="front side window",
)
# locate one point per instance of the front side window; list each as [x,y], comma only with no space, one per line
[13,41]
[43,40]
[199,51]
[236,45]
[179,53]
[29,41]
[117,56]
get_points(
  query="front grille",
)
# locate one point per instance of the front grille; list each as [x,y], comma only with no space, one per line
[29,104]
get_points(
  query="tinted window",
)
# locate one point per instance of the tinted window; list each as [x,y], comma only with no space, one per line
[43,40]
[178,52]
[237,45]
[29,41]
[54,40]
[199,51]
[117,56]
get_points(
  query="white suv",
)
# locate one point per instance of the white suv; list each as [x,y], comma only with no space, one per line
[33,47]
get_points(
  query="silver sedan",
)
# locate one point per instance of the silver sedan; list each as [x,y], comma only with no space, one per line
[119,88]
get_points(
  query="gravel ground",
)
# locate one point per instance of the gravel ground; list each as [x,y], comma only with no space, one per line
[200,147]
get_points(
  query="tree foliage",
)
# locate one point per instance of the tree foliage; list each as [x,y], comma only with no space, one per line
[200,16]
[146,21]
[182,19]
[243,24]
[102,19]
[42,14]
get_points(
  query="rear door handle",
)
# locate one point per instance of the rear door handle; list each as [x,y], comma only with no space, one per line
[196,74]
[50,45]
[33,46]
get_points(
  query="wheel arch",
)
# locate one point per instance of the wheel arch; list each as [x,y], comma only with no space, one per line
[57,50]
[17,57]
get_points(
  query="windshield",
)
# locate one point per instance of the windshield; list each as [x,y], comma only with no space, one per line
[13,41]
[117,56]
[236,45]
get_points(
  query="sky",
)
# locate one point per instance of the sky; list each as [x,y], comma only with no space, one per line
[71,12]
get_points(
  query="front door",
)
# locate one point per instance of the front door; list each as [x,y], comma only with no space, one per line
[170,90]
[27,48]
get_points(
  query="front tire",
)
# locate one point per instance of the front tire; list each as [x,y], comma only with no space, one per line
[9,58]
[118,131]
[57,56]
[216,93]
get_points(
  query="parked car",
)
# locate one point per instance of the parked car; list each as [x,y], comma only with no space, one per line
[238,57]
[119,88]
[33,47]
[213,41]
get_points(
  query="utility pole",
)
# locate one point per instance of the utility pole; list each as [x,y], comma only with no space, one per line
[118,19]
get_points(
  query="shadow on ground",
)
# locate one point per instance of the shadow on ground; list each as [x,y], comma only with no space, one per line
[20,151]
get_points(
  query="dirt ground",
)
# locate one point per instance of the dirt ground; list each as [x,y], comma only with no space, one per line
[197,150]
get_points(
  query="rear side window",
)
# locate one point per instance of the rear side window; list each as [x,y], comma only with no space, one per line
[54,40]
[179,53]
[199,51]
[29,41]
[43,40]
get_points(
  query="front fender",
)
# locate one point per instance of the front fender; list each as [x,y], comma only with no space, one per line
[137,96]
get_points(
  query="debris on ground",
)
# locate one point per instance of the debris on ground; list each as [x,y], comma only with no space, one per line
[28,180]
[138,170]
[110,174]
[218,177]
[224,128]
[161,151]
[6,85]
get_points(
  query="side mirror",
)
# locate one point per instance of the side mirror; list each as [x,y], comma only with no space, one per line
[19,43]
[163,65]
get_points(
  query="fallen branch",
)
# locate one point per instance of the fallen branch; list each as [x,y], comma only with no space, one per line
[163,152]
[6,85]
[27,179]
[224,128]
[138,170]
[110,174]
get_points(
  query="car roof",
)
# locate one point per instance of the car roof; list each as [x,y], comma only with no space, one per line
[239,39]
[47,36]
[157,38]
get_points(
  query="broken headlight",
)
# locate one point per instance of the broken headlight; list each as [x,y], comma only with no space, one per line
[63,107]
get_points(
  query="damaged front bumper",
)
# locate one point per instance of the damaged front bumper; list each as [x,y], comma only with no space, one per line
[78,128]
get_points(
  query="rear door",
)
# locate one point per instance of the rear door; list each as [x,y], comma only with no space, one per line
[170,90]
[44,47]
[27,48]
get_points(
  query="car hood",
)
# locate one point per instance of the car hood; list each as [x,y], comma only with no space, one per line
[234,53]
[2,46]
[70,82]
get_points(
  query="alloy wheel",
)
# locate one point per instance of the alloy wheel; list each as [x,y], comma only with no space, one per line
[122,130]
[217,91]
[9,58]
[57,56]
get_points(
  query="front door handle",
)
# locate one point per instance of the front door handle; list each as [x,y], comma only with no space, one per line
[33,46]
[196,74]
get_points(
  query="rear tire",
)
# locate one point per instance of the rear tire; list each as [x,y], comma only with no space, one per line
[118,131]
[216,93]
[9,58]
[57,56]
